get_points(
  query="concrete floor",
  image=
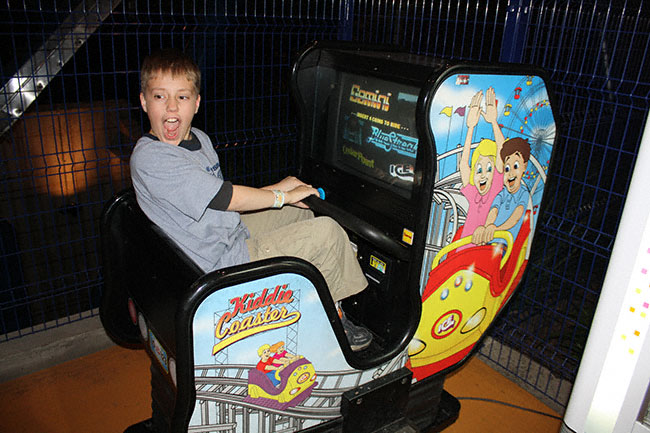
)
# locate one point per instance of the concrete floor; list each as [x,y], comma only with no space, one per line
[108,390]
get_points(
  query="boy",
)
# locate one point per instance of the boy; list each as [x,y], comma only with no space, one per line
[179,186]
[265,364]
[509,205]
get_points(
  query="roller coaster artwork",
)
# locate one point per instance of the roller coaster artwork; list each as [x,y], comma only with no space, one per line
[295,393]
[465,284]
[224,403]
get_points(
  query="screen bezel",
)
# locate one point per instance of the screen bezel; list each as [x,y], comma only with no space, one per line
[381,205]
[341,108]
[313,73]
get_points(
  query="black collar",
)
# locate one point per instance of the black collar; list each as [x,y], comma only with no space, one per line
[192,144]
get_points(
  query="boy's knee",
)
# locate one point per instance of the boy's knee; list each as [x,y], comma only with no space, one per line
[328,229]
[326,222]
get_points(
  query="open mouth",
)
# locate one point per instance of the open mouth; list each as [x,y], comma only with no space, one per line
[482,185]
[511,182]
[171,127]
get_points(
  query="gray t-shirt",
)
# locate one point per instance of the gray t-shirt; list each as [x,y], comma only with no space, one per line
[174,187]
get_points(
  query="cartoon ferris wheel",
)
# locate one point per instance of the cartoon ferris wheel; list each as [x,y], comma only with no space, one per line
[527,114]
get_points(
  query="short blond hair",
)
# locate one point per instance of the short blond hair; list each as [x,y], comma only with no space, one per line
[486,147]
[173,61]
[262,348]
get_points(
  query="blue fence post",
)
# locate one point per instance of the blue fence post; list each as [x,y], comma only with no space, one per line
[515,31]
[345,30]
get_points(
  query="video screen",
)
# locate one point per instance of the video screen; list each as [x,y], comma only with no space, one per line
[376,135]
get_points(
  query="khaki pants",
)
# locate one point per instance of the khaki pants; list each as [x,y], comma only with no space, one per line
[295,232]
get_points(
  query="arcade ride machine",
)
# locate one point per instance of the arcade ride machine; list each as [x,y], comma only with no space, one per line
[414,155]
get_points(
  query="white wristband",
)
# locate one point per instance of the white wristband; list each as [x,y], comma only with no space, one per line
[279,198]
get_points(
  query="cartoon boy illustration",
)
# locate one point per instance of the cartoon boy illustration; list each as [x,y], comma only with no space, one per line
[510,204]
[265,364]
[282,358]
[482,179]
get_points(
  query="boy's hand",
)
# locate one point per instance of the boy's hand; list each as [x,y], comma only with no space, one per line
[296,195]
[289,183]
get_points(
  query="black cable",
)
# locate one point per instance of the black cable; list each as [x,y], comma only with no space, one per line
[489,400]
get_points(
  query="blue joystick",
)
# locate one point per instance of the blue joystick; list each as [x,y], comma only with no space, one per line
[321,193]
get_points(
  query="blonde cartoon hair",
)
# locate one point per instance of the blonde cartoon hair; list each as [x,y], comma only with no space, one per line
[276,346]
[262,348]
[486,147]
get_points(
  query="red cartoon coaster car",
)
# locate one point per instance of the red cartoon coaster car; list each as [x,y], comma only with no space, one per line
[463,295]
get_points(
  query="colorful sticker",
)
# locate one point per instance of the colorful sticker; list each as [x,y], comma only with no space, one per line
[446,324]
[378,264]
[407,236]
[159,352]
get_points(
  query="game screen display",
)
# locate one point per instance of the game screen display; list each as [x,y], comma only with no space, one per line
[374,130]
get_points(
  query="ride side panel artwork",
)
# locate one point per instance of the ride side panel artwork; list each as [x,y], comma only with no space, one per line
[494,136]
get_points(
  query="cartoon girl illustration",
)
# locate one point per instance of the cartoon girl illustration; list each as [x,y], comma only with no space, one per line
[482,179]
[282,358]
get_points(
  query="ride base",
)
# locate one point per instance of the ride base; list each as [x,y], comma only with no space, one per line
[391,404]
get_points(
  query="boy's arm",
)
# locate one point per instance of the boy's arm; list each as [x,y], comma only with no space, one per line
[512,219]
[487,232]
[286,184]
[245,198]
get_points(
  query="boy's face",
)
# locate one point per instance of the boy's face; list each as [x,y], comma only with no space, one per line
[514,168]
[170,103]
[483,174]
